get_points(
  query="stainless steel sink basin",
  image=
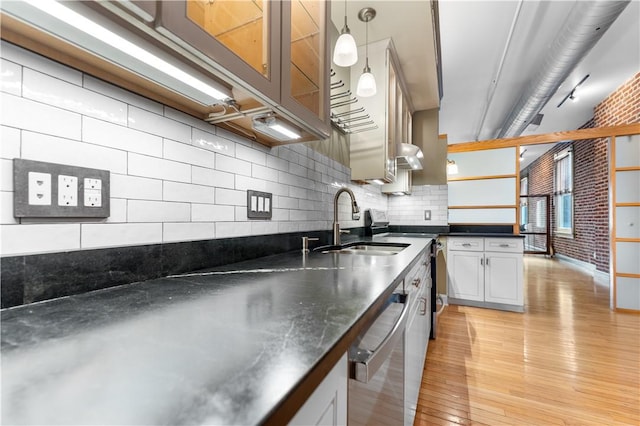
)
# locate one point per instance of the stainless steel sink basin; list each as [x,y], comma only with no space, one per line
[367,248]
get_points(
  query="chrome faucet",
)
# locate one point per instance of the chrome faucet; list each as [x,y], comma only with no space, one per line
[354,213]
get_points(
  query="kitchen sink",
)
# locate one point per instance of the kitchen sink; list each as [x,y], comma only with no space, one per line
[364,247]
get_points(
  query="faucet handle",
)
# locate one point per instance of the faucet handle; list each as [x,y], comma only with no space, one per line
[345,231]
[305,243]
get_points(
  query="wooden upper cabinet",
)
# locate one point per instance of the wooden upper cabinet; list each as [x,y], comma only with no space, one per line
[240,38]
[274,50]
[306,61]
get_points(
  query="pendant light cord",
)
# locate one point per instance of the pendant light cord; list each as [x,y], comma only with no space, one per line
[366,45]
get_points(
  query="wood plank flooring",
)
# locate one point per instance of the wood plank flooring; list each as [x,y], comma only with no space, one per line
[568,360]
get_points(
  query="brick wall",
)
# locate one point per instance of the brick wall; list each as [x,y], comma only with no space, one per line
[591,179]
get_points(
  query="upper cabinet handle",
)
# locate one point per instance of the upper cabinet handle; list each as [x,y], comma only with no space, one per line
[504,245]
[466,244]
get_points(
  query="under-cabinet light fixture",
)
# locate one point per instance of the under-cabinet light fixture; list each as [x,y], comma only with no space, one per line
[367,82]
[452,167]
[93,29]
[277,129]
[345,52]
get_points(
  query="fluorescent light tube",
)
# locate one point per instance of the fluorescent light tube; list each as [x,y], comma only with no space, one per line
[288,133]
[99,32]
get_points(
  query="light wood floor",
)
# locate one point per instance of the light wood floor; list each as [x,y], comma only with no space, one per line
[568,360]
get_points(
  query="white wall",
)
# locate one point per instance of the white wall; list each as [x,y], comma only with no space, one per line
[173,177]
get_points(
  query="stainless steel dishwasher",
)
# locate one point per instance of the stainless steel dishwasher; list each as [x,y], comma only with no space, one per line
[376,362]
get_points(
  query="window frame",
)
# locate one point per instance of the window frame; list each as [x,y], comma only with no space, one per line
[560,192]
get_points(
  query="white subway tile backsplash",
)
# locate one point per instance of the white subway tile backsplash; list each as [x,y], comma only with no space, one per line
[189,120]
[116,136]
[244,183]
[6,175]
[240,214]
[233,165]
[226,134]
[55,92]
[39,238]
[212,142]
[117,211]
[10,77]
[10,146]
[264,173]
[285,227]
[210,177]
[36,146]
[26,114]
[130,98]
[173,177]
[232,229]
[212,213]
[279,215]
[184,153]
[157,211]
[142,165]
[286,203]
[120,234]
[40,63]
[6,208]
[275,163]
[133,187]
[263,228]
[155,124]
[188,193]
[231,197]
[252,155]
[173,232]
[276,188]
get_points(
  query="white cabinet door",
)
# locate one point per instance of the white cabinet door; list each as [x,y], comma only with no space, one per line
[466,275]
[327,405]
[503,278]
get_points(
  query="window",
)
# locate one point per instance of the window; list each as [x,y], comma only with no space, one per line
[524,203]
[564,191]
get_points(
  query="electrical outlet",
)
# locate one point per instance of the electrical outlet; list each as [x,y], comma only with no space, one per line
[67,190]
[92,192]
[39,189]
[427,215]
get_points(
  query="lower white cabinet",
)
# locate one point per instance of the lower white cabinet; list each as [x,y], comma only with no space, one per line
[417,336]
[327,405]
[486,272]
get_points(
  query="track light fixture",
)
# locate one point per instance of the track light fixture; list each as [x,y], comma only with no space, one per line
[572,94]
[367,82]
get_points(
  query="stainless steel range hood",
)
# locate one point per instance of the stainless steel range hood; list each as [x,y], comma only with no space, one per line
[409,156]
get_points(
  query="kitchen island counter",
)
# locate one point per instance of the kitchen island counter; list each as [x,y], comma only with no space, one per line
[240,344]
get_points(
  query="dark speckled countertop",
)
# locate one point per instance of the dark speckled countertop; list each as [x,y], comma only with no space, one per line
[228,346]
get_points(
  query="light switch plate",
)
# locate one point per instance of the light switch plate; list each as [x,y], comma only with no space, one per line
[259,205]
[427,215]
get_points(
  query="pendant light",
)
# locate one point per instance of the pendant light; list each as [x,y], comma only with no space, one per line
[345,53]
[367,82]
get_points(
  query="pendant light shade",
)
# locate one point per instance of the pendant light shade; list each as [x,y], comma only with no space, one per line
[345,53]
[367,82]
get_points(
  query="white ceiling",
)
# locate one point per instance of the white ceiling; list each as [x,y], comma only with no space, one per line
[473,37]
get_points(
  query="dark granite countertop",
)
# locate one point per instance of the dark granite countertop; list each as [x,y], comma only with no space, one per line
[227,346]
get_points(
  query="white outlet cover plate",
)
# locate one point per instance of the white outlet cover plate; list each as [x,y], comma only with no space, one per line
[67,191]
[39,189]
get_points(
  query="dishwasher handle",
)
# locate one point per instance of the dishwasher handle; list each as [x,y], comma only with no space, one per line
[365,363]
